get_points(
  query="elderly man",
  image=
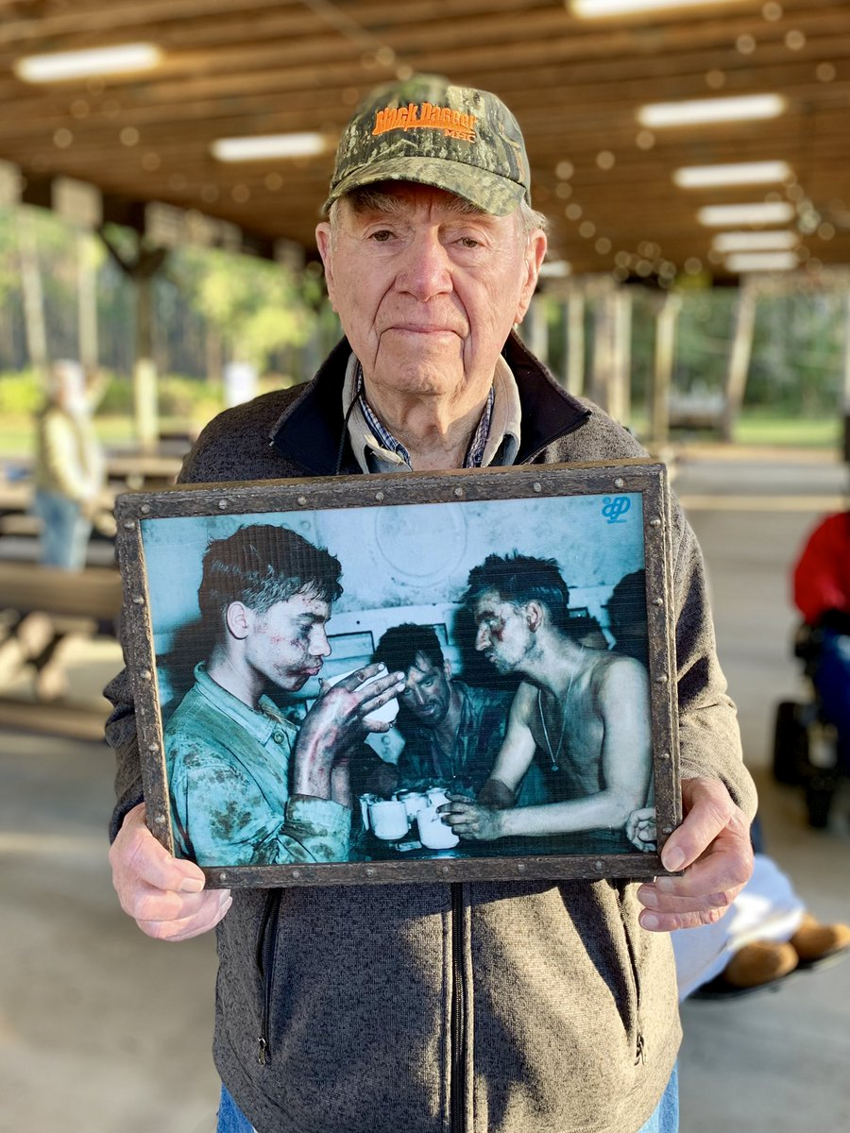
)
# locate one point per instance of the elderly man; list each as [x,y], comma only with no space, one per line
[266,595]
[504,1007]
[586,710]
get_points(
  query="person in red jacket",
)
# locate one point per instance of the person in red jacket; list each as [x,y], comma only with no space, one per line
[822,595]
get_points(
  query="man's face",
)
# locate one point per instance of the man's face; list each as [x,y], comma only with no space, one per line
[288,643]
[503,634]
[427,289]
[427,693]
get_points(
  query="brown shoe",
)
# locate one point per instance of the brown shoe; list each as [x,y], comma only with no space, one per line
[817,944]
[761,962]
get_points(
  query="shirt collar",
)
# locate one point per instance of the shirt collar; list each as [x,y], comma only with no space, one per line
[259,723]
[377,450]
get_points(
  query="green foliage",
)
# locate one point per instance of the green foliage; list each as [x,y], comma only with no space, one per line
[21,395]
[257,306]
[179,396]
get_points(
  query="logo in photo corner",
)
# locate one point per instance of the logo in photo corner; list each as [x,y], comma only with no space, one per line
[615,507]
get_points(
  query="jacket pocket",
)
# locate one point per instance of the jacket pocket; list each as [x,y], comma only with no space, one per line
[265,955]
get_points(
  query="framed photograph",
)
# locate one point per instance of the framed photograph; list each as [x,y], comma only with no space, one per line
[422,677]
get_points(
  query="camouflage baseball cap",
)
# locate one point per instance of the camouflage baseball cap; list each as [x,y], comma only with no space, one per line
[463,140]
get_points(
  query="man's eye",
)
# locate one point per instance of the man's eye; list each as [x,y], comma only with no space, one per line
[469,242]
[382,236]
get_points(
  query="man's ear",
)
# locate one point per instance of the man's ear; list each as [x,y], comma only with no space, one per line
[447,668]
[324,243]
[238,619]
[534,253]
[534,616]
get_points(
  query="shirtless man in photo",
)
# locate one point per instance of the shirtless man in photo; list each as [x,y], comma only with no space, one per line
[586,712]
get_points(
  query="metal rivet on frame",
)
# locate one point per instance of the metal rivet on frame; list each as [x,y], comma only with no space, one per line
[160,820]
[153,747]
[658,601]
[302,500]
[146,674]
[379,495]
[521,867]
[661,679]
[666,829]
[619,482]
[656,522]
[296,873]
[129,524]
[597,865]
[445,869]
[222,505]
[370,872]
[537,487]
[665,755]
[138,599]
[458,492]
[145,509]
[222,877]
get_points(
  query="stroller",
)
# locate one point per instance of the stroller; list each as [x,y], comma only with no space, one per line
[805,745]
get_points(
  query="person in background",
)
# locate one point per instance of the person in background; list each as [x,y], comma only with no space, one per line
[767,934]
[69,468]
[822,595]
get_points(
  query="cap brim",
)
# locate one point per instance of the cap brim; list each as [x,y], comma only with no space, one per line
[488,191]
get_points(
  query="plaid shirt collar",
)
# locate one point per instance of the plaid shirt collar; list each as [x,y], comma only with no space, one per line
[475,452]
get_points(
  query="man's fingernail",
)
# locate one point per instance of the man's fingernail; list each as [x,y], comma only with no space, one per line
[648,897]
[191,885]
[649,920]
[673,859]
[225,898]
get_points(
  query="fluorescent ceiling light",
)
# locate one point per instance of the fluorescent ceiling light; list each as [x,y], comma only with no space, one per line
[744,262]
[592,9]
[761,212]
[706,110]
[84,64]
[270,145]
[741,173]
[755,241]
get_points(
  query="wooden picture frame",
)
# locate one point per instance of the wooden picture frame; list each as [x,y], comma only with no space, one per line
[408,547]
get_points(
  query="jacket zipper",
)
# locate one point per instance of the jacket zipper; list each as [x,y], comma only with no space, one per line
[457,1030]
[266,941]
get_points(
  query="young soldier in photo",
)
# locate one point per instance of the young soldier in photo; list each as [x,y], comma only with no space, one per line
[586,711]
[452,731]
[248,787]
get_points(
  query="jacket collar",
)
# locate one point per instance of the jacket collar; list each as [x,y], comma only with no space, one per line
[312,432]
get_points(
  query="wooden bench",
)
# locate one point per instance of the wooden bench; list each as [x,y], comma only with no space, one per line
[44,611]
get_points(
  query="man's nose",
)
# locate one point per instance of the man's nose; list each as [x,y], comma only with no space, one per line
[319,644]
[482,638]
[427,268]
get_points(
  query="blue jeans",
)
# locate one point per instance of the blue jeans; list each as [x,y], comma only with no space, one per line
[664,1120]
[65,531]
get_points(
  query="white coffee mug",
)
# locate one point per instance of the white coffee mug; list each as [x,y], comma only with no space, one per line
[433,832]
[437,796]
[388,820]
[386,713]
[414,801]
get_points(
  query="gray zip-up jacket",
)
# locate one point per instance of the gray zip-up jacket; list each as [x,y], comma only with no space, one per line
[492,1007]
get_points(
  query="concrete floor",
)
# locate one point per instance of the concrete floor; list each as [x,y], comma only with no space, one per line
[102,1030]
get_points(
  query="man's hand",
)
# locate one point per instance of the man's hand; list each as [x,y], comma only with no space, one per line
[641,829]
[472,820]
[713,847]
[164,895]
[337,720]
